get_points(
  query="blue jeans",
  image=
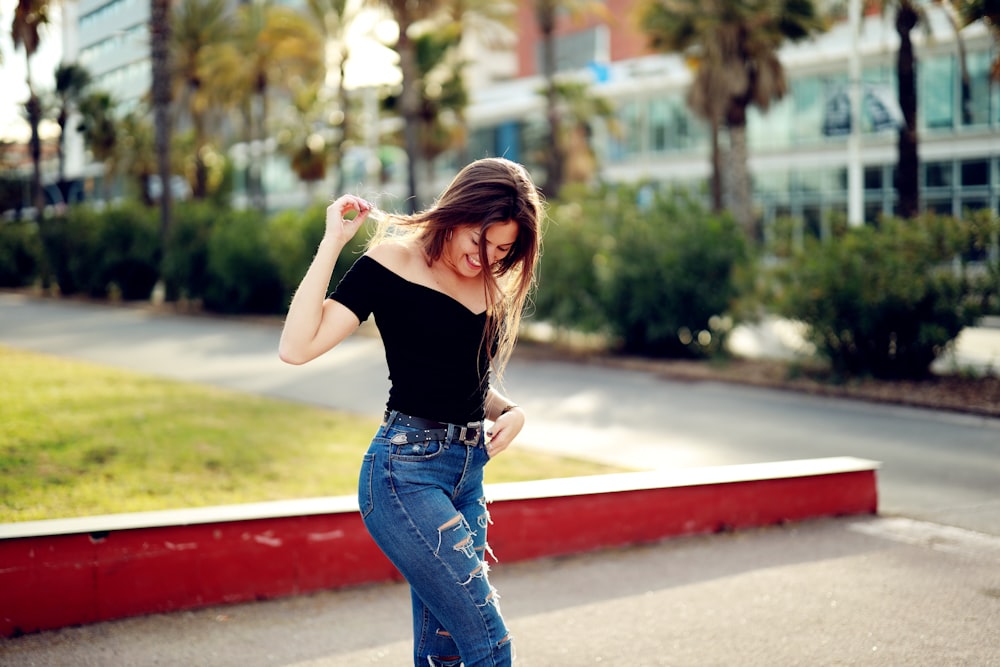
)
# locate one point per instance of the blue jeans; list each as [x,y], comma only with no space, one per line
[423,504]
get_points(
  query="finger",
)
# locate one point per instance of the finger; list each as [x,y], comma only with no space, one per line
[494,449]
[497,443]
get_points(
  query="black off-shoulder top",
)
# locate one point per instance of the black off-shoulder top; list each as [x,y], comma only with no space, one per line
[438,364]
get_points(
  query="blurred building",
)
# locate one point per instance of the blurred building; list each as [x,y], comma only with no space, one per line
[798,150]
[110,38]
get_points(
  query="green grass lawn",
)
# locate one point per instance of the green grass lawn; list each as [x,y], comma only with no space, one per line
[79,439]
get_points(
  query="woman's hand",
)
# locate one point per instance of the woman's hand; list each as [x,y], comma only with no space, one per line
[340,229]
[504,430]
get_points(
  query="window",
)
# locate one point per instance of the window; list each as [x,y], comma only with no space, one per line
[873,178]
[937,175]
[660,129]
[770,130]
[630,118]
[879,99]
[774,184]
[976,110]
[812,105]
[936,92]
[975,172]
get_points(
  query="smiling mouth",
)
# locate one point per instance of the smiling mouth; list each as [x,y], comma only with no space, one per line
[474,261]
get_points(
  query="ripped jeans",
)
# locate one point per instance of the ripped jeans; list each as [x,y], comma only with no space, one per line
[423,504]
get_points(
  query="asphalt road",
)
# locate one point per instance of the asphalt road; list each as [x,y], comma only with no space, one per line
[879,590]
[938,467]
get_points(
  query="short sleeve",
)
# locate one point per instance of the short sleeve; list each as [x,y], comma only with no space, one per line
[357,289]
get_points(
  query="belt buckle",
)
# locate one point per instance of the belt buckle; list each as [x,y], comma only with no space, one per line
[474,428]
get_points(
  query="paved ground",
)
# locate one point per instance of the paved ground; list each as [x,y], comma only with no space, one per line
[848,591]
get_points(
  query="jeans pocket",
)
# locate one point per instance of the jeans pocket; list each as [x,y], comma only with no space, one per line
[416,451]
[366,498]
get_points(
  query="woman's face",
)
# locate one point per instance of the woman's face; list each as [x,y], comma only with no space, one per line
[461,252]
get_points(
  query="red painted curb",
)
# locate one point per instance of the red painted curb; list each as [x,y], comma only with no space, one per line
[60,573]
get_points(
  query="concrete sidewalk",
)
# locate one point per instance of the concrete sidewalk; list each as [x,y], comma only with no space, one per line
[854,591]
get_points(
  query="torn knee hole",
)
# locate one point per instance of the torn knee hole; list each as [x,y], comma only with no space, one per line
[441,632]
[451,523]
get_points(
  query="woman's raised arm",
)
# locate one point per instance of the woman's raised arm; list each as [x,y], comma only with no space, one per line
[315,324]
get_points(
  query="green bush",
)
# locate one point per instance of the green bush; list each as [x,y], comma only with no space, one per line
[882,301]
[986,250]
[569,294]
[20,253]
[185,262]
[97,252]
[671,277]
[655,270]
[242,278]
[129,252]
[72,245]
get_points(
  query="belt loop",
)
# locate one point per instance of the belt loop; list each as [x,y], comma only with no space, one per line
[390,416]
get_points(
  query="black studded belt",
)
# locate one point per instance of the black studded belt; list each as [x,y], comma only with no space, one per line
[466,434]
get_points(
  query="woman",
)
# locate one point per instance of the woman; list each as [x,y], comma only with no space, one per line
[446,288]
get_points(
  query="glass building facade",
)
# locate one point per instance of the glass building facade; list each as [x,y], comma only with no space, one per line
[798,165]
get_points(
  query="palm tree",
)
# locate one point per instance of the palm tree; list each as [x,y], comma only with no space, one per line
[908,15]
[199,28]
[274,47]
[306,147]
[481,24]
[29,17]
[582,108]
[407,13]
[159,30]
[100,131]
[135,153]
[71,82]
[442,93]
[334,18]
[547,13]
[734,47]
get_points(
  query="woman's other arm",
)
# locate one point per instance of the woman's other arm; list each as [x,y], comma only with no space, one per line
[508,420]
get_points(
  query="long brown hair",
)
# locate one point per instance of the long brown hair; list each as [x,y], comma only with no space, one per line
[486,192]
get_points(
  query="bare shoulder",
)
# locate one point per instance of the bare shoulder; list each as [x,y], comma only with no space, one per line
[401,257]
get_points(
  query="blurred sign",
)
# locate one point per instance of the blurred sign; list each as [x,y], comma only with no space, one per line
[878,105]
[837,115]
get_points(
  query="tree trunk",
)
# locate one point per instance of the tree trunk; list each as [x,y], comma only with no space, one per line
[907,169]
[409,109]
[555,157]
[61,155]
[260,200]
[159,30]
[34,109]
[739,171]
[200,190]
[716,178]
[742,201]
[338,147]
